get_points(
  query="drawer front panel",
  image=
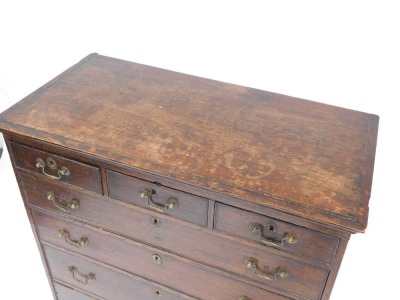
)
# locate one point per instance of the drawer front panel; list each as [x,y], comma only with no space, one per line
[167,269]
[187,207]
[186,239]
[66,293]
[274,233]
[53,166]
[99,280]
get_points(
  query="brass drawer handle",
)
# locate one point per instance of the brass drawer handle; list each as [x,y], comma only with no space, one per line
[85,278]
[51,164]
[62,233]
[244,298]
[280,272]
[65,207]
[288,237]
[163,208]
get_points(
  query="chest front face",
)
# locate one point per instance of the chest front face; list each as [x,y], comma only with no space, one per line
[143,181]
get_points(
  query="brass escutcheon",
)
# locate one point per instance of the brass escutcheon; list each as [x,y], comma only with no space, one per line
[155,221]
[157,259]
[52,165]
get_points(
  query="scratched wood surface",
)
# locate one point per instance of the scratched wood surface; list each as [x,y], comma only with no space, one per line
[307,158]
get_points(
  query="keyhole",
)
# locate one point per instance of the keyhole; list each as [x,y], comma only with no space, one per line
[271,228]
[51,163]
[155,221]
[158,293]
[157,259]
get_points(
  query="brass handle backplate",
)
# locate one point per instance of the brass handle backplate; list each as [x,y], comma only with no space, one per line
[62,233]
[65,207]
[51,164]
[163,208]
[288,237]
[85,279]
[280,272]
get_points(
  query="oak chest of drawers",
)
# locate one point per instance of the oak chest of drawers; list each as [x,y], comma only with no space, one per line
[142,183]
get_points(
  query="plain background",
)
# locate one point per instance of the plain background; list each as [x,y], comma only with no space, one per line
[344,53]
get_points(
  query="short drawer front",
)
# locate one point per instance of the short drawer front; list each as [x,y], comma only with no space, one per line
[274,233]
[157,198]
[200,244]
[100,280]
[56,167]
[67,293]
[160,266]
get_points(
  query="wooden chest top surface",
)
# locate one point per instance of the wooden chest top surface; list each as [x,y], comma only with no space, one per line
[306,158]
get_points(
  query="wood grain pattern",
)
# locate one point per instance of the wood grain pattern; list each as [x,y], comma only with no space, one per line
[231,155]
[190,208]
[185,239]
[67,293]
[171,183]
[311,244]
[295,155]
[182,274]
[82,175]
[109,283]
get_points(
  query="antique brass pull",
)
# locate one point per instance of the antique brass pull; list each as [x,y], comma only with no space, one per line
[51,164]
[288,237]
[65,234]
[280,272]
[65,207]
[244,298]
[163,208]
[86,278]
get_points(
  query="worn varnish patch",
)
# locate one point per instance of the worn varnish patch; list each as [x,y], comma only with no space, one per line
[270,149]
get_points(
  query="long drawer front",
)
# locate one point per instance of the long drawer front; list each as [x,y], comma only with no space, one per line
[68,293]
[157,265]
[97,279]
[265,269]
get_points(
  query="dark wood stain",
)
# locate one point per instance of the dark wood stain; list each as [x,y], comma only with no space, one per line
[82,175]
[190,208]
[183,274]
[252,144]
[231,155]
[109,283]
[236,222]
[201,245]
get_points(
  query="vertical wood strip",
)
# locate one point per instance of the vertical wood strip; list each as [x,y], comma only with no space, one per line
[335,269]
[210,217]
[30,216]
[104,183]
